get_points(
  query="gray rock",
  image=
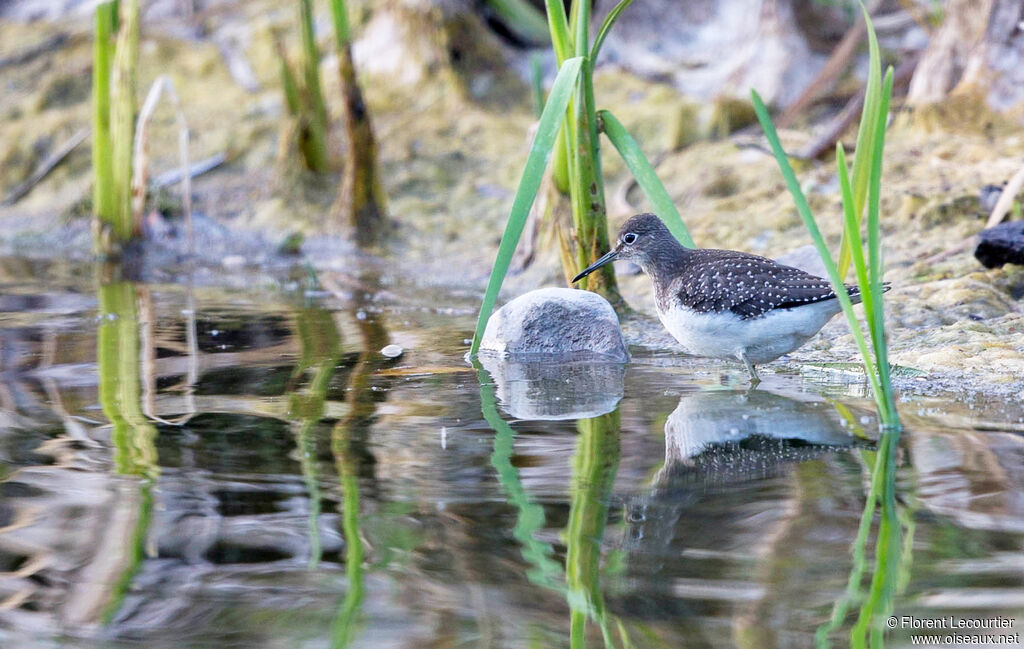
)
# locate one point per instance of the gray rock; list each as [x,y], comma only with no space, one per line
[553,322]
[806,258]
[555,389]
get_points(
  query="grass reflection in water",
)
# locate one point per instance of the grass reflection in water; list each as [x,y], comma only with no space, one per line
[118,356]
[594,467]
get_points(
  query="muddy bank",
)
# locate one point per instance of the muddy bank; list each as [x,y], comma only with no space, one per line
[453,139]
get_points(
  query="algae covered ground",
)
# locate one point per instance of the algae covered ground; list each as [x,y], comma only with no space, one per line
[454,131]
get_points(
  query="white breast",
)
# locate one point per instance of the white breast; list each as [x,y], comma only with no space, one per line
[726,335]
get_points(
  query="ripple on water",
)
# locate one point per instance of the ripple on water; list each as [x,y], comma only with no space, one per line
[288,483]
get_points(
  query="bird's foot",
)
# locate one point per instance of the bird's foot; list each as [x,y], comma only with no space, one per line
[754,378]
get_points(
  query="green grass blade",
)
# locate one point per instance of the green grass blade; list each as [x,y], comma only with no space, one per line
[311,63]
[522,18]
[874,190]
[558,24]
[560,161]
[561,42]
[547,129]
[574,16]
[342,32]
[878,603]
[316,153]
[851,229]
[877,323]
[819,243]
[645,177]
[606,26]
[865,133]
[290,87]
[579,24]
[536,84]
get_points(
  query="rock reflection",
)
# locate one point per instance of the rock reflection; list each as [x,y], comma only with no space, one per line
[555,390]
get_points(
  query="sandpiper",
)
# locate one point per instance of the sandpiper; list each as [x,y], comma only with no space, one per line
[725,303]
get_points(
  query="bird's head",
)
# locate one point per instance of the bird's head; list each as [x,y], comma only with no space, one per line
[641,238]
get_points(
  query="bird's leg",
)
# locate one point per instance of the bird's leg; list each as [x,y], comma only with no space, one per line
[754,378]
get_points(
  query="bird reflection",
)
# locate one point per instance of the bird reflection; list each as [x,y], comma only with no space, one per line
[759,424]
[724,446]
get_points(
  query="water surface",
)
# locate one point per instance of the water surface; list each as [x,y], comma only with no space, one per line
[230,462]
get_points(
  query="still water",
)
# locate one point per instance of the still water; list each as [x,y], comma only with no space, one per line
[229,461]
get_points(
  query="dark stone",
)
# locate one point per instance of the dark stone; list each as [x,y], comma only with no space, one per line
[1002,244]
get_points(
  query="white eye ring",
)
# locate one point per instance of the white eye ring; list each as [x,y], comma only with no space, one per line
[629,238]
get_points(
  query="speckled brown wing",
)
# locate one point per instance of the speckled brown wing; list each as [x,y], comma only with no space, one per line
[715,281]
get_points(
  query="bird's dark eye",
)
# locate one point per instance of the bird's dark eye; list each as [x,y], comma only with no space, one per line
[629,238]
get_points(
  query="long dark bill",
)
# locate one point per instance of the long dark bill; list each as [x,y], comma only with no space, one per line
[607,259]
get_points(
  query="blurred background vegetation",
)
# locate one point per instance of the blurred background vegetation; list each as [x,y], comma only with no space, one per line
[402,127]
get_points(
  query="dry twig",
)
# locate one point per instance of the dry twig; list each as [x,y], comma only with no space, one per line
[46,166]
[40,48]
[1005,202]
[837,63]
[161,85]
[827,138]
[175,176]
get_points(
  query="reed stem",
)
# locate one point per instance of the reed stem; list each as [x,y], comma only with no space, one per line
[313,132]
[102,155]
[124,76]
[361,201]
[586,182]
